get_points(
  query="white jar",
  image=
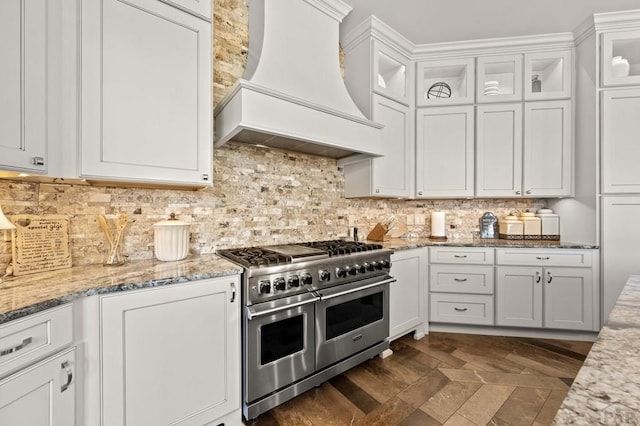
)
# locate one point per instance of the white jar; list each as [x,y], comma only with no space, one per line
[550,224]
[171,239]
[531,226]
[619,66]
[511,228]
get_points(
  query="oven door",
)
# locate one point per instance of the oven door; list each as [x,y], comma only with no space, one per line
[278,344]
[351,318]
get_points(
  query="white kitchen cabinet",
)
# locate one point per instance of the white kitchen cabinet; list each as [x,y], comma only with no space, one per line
[391,175]
[171,355]
[445,152]
[552,70]
[501,72]
[42,394]
[620,238]
[458,76]
[555,289]
[548,149]
[407,296]
[145,93]
[619,145]
[391,73]
[23,85]
[524,151]
[201,8]
[626,45]
[499,150]
[461,285]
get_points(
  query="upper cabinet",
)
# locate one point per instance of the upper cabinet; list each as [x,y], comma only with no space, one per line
[547,75]
[445,82]
[201,8]
[499,78]
[620,58]
[390,73]
[23,85]
[145,93]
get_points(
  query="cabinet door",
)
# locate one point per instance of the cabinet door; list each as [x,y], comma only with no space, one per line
[519,296]
[499,150]
[547,149]
[620,233]
[458,76]
[201,8]
[499,78]
[391,73]
[620,147]
[407,294]
[393,173]
[568,298]
[551,72]
[625,45]
[146,93]
[171,355]
[444,151]
[23,94]
[40,395]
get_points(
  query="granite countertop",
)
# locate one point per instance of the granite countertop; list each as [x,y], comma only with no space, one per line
[28,294]
[404,244]
[606,390]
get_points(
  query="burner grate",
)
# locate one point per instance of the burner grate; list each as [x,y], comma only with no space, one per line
[341,247]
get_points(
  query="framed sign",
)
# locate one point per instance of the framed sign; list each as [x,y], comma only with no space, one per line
[40,243]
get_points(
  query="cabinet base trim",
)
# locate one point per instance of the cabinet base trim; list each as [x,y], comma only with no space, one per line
[587,336]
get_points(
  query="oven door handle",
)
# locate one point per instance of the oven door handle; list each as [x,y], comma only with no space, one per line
[253,313]
[354,290]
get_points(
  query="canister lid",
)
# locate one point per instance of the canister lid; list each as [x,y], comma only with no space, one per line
[545,212]
[171,222]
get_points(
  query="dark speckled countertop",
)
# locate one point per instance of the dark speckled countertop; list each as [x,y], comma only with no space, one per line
[404,244]
[28,294]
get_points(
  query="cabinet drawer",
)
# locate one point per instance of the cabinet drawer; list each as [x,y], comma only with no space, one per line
[534,257]
[27,339]
[480,256]
[461,278]
[462,308]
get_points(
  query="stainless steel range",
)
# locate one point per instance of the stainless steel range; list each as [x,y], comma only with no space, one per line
[311,311]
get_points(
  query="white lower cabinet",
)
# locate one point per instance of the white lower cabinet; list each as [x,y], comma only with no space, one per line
[167,355]
[407,299]
[42,394]
[461,285]
[554,296]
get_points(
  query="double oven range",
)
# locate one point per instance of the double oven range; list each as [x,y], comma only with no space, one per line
[310,311]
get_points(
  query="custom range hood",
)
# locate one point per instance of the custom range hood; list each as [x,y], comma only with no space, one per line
[292,95]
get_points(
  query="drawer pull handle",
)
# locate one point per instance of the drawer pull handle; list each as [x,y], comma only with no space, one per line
[549,278]
[460,280]
[460,256]
[460,309]
[537,277]
[25,342]
[233,292]
[67,369]
[543,257]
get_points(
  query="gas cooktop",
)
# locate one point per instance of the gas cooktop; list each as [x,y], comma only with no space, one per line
[294,253]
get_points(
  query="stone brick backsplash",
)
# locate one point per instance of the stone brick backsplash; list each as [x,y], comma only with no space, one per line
[259,196]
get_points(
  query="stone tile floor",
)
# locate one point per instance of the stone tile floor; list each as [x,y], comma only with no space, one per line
[444,379]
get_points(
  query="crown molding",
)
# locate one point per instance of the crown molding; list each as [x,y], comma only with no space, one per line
[623,20]
[337,9]
[375,28]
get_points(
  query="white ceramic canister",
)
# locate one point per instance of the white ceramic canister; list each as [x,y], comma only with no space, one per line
[511,228]
[530,225]
[550,224]
[171,239]
[619,66]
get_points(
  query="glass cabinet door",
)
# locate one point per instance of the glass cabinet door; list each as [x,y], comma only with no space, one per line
[547,75]
[390,73]
[620,58]
[445,82]
[499,78]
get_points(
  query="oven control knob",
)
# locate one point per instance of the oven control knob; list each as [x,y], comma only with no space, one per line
[307,279]
[373,265]
[386,264]
[265,287]
[379,265]
[279,284]
[294,281]
[324,275]
[362,268]
[340,272]
[354,269]
[368,266]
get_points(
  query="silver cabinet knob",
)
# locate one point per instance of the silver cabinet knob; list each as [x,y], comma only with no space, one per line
[528,191]
[518,192]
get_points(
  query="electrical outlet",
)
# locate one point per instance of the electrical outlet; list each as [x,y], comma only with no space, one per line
[420,219]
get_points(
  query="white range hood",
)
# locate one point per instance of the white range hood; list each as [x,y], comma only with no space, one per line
[292,95]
